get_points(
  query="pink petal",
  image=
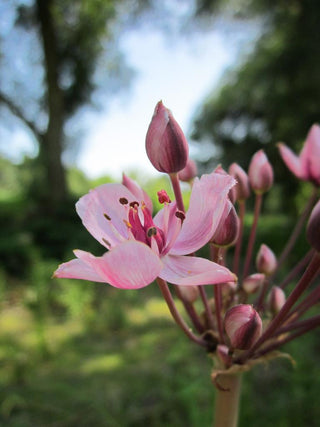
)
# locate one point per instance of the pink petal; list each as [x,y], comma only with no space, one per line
[207,203]
[292,161]
[105,200]
[131,265]
[190,271]
[310,155]
[137,191]
[77,269]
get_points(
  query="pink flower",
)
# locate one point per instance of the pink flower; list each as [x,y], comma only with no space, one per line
[306,165]
[260,173]
[142,248]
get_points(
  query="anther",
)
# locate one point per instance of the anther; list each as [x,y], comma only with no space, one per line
[123,201]
[107,217]
[181,215]
[106,241]
[134,204]
[152,231]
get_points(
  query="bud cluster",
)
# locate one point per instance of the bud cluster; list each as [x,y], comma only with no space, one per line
[245,320]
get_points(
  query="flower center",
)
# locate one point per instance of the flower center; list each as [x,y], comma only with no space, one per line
[141,225]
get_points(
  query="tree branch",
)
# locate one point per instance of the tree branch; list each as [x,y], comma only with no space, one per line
[17,111]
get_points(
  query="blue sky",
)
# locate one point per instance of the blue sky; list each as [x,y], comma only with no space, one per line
[180,71]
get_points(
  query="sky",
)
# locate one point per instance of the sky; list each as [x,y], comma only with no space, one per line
[180,75]
[180,72]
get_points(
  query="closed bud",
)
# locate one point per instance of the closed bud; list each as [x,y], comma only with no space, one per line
[253,283]
[260,173]
[189,171]
[242,188]
[228,288]
[313,228]
[228,228]
[166,145]
[243,326]
[189,293]
[223,354]
[276,299]
[266,261]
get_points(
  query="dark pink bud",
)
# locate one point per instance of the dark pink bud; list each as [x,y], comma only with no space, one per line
[260,173]
[189,171]
[242,187]
[253,283]
[276,299]
[228,228]
[243,326]
[166,145]
[313,228]
[189,293]
[266,260]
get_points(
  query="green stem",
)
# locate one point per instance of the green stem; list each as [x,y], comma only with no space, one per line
[227,400]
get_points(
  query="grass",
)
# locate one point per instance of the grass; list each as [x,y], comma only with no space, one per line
[140,370]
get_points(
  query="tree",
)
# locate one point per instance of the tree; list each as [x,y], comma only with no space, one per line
[274,95]
[70,37]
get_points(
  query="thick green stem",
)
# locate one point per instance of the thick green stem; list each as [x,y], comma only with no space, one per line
[227,400]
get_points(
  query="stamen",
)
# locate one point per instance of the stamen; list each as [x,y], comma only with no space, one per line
[127,223]
[163,197]
[181,215]
[107,217]
[123,201]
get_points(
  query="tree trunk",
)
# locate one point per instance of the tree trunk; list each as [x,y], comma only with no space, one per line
[51,146]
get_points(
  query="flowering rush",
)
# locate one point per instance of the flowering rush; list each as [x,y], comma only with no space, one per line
[142,248]
[244,321]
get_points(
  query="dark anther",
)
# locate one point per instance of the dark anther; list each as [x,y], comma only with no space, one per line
[107,217]
[152,231]
[123,201]
[134,204]
[106,241]
[181,215]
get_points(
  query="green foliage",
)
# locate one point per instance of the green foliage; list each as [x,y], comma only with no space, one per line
[273,95]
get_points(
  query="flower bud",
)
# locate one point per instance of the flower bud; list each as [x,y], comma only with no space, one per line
[223,354]
[242,187]
[228,288]
[189,293]
[260,173]
[228,228]
[253,282]
[166,145]
[266,261]
[276,299]
[243,326]
[189,171]
[313,228]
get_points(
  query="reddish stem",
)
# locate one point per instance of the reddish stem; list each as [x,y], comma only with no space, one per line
[296,270]
[177,191]
[298,228]
[257,208]
[304,282]
[237,251]
[176,315]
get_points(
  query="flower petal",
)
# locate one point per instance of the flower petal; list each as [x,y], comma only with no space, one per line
[310,154]
[130,265]
[293,162]
[207,203]
[190,271]
[78,269]
[105,200]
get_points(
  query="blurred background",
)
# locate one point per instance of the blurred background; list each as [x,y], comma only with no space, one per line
[79,82]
